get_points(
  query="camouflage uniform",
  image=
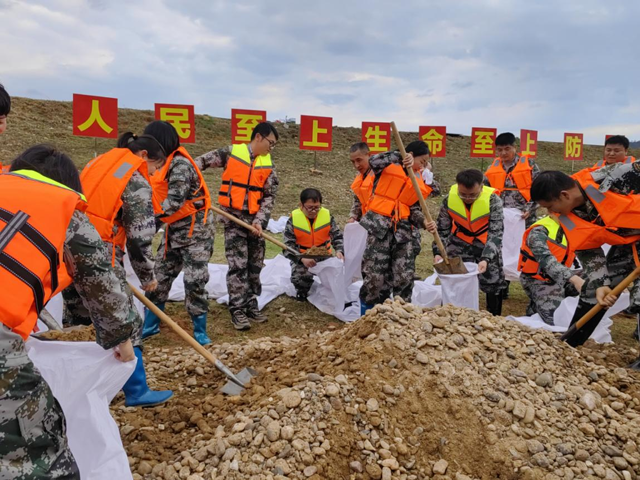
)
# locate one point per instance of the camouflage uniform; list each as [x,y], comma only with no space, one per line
[388,262]
[513,198]
[545,297]
[492,281]
[300,276]
[136,217]
[183,249]
[33,443]
[244,251]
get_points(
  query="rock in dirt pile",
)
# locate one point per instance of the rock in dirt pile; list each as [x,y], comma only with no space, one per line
[403,393]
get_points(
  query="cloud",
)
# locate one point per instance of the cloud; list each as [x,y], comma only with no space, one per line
[551,66]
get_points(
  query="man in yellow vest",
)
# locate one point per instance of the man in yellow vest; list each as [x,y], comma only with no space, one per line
[310,225]
[248,191]
[470,225]
[363,183]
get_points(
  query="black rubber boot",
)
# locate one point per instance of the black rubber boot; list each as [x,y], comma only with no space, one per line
[494,303]
[582,335]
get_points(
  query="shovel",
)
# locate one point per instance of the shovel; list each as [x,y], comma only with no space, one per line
[236,383]
[266,236]
[450,265]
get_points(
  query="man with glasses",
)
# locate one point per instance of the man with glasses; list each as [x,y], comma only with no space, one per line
[248,191]
[470,225]
[310,225]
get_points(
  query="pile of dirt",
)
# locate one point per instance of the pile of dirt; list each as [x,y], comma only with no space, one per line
[71,334]
[404,393]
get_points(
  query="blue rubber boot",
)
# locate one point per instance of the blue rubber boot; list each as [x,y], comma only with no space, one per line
[136,391]
[364,307]
[151,322]
[200,329]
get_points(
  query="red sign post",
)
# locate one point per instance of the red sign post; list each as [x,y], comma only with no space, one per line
[377,135]
[243,122]
[529,143]
[316,133]
[182,117]
[483,142]
[436,140]
[95,116]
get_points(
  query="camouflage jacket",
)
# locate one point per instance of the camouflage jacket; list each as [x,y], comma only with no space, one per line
[379,225]
[218,159]
[335,234]
[549,264]
[513,198]
[89,261]
[183,184]
[136,217]
[492,250]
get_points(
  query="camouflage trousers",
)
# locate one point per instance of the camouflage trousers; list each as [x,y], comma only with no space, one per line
[544,298]
[245,256]
[193,260]
[387,269]
[492,281]
[301,278]
[416,248]
[76,313]
[33,442]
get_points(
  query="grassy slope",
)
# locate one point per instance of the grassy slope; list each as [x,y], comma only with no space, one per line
[38,121]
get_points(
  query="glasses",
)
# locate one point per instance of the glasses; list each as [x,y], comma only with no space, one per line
[272,143]
[312,209]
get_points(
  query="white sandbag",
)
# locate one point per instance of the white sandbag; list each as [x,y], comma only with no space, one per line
[514,228]
[328,293]
[355,241]
[563,315]
[461,290]
[426,293]
[277,226]
[84,378]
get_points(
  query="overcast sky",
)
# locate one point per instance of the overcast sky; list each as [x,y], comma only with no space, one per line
[550,65]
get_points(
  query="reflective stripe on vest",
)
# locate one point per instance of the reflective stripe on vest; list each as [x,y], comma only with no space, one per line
[315,235]
[521,175]
[362,188]
[469,224]
[558,246]
[243,181]
[32,267]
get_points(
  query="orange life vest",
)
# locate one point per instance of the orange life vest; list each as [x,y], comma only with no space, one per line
[585,173]
[616,211]
[521,175]
[243,178]
[4,168]
[316,235]
[103,182]
[558,246]
[470,223]
[362,188]
[35,212]
[160,187]
[393,194]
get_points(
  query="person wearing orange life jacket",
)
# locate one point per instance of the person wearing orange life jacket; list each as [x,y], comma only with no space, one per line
[593,213]
[310,225]
[120,206]
[363,183]
[545,264]
[248,191]
[46,242]
[392,211]
[616,150]
[5,109]
[182,203]
[470,224]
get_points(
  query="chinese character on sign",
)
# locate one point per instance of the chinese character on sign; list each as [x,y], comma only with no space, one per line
[483,142]
[436,140]
[377,135]
[316,133]
[95,116]
[573,146]
[243,123]
[529,143]
[182,118]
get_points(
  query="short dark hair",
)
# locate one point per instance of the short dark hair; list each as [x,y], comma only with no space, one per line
[51,163]
[310,194]
[136,143]
[418,148]
[359,147]
[165,134]
[264,129]
[617,140]
[506,138]
[469,178]
[5,102]
[548,185]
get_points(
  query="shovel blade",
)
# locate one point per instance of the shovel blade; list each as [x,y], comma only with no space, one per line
[454,267]
[244,376]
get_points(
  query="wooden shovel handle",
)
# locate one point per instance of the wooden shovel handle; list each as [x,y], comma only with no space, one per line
[416,187]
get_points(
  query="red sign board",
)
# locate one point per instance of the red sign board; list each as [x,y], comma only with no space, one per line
[377,135]
[436,140]
[573,146]
[483,142]
[316,133]
[529,143]
[95,116]
[182,117]
[243,122]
